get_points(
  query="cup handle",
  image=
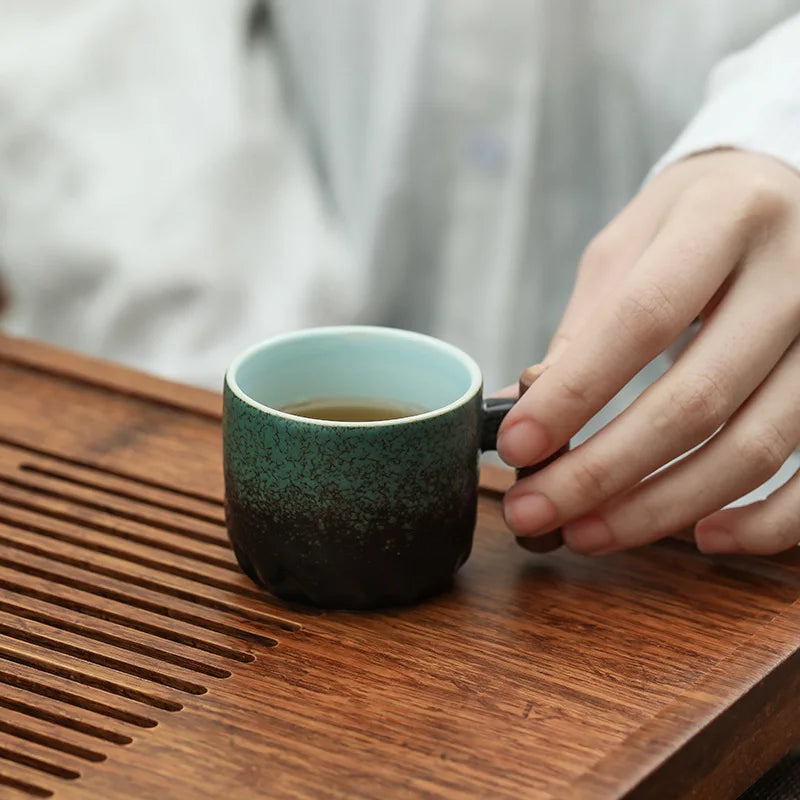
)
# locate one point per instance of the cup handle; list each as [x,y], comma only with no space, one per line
[494,412]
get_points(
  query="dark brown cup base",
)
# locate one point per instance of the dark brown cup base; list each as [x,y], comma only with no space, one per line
[366,576]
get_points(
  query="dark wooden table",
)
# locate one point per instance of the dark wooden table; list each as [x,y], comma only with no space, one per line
[137,662]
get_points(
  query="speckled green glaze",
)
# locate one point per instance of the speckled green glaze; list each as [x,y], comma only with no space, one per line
[349,516]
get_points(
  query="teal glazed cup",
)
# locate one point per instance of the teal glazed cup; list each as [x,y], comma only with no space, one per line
[354,515]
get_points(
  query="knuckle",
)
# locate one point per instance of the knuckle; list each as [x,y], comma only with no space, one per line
[650,517]
[573,389]
[593,479]
[698,407]
[761,201]
[765,200]
[599,253]
[764,451]
[649,317]
[637,518]
[708,191]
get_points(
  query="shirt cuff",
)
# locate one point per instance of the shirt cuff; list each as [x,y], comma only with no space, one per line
[752,103]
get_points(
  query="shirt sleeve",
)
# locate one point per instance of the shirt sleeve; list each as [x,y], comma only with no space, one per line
[752,102]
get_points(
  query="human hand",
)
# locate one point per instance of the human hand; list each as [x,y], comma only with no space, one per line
[715,237]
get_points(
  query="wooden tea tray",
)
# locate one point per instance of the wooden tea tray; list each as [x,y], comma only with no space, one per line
[136,661]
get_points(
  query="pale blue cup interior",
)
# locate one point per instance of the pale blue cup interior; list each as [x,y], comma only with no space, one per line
[355,361]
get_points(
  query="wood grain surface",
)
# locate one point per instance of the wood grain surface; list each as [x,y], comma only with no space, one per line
[136,661]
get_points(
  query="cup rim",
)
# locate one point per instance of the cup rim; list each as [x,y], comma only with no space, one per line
[476,378]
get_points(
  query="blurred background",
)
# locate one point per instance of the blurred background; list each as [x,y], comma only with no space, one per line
[182,178]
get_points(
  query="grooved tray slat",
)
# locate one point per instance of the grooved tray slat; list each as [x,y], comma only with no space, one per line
[136,660]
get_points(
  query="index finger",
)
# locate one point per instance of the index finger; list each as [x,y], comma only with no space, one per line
[670,284]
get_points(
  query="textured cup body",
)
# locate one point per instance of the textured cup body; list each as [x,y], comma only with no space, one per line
[349,516]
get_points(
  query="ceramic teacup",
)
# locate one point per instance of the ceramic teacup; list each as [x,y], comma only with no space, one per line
[354,514]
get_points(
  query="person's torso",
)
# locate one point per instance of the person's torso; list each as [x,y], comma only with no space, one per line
[452,161]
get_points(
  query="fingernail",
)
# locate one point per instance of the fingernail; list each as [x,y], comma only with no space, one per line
[522,443]
[716,540]
[529,514]
[588,535]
